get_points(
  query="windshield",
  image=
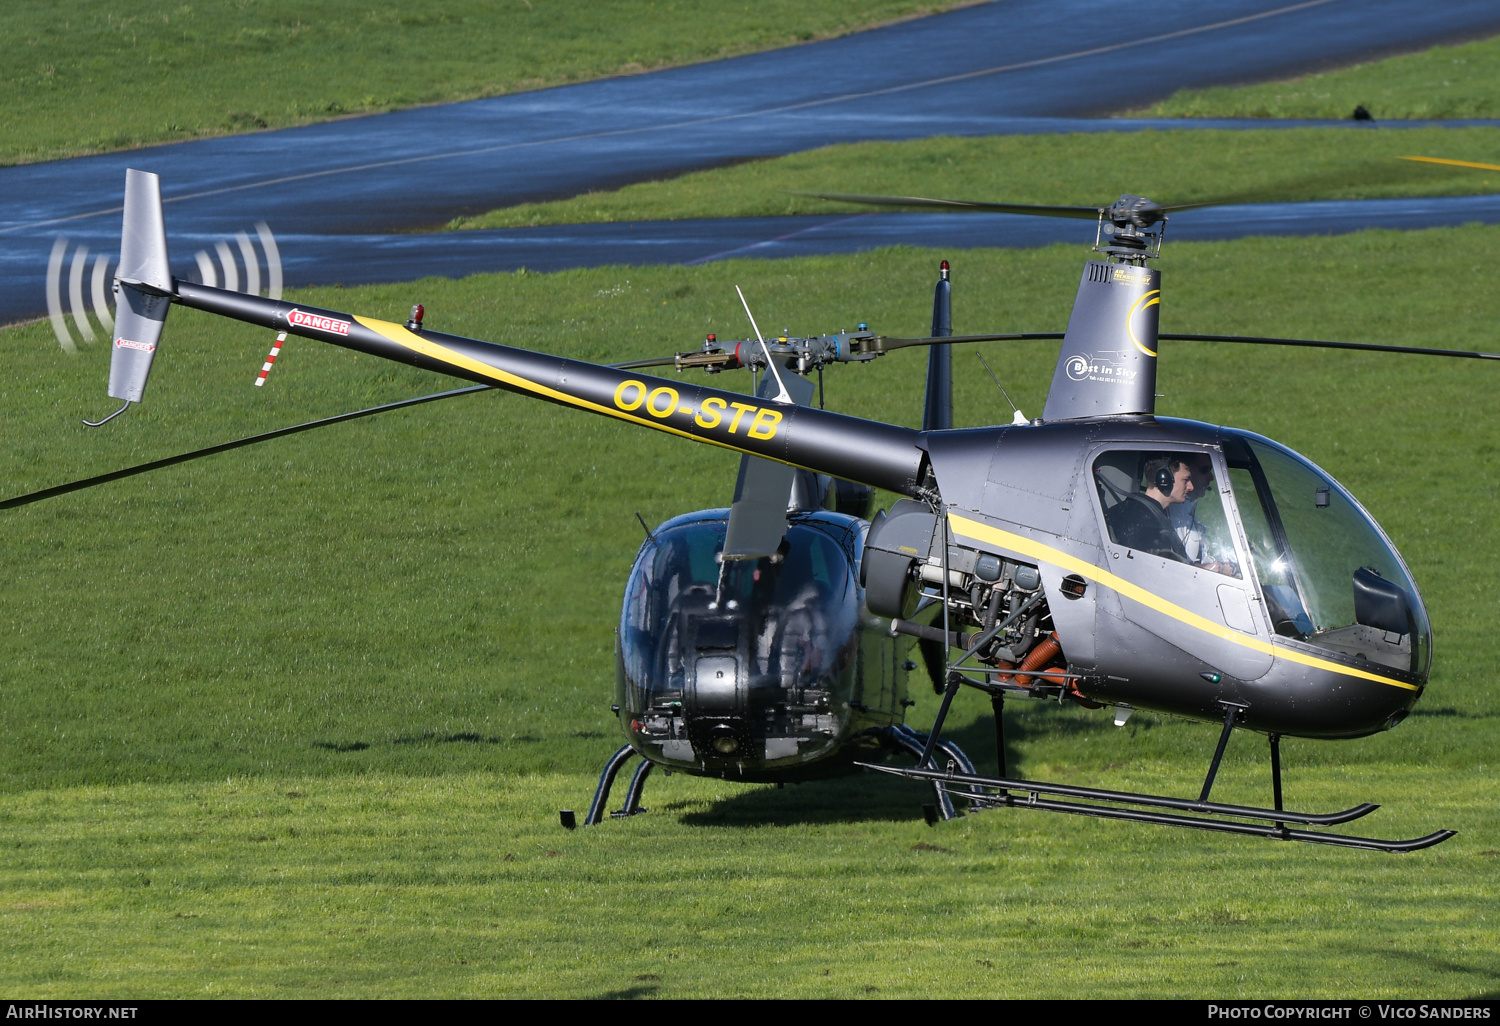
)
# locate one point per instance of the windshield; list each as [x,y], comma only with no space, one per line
[1329,575]
[791,614]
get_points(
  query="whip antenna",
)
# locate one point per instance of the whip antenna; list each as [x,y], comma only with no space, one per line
[1019,418]
[784,396]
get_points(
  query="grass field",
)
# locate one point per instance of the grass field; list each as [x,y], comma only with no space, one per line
[1443,82]
[297,720]
[87,76]
[1190,166]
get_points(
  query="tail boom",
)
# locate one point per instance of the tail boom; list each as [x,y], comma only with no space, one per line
[881,455]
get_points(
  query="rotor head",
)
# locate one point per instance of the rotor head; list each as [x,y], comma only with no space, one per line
[1134,212]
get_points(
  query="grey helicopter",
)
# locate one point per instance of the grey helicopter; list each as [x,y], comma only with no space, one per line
[1042,550]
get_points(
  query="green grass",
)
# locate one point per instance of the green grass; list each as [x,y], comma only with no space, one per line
[87,76]
[406,621]
[1188,166]
[1444,82]
[463,886]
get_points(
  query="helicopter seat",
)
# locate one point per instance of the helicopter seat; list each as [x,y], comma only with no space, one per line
[1114,483]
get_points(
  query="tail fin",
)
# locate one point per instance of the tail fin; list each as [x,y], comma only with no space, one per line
[143,286]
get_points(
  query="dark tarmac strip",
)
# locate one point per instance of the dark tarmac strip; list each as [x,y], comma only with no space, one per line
[365,259]
[389,258]
[352,259]
[1016,65]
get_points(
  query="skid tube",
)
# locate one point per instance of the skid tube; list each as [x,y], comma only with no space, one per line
[1198,815]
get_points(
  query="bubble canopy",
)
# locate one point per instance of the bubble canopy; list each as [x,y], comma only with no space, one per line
[758,655]
[1330,576]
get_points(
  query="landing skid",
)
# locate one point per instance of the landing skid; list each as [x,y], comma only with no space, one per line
[1198,815]
[900,738]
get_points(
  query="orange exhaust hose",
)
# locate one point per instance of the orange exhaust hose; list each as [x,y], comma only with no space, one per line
[1072,691]
[1045,651]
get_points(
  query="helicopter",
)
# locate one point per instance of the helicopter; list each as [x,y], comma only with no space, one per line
[1022,545]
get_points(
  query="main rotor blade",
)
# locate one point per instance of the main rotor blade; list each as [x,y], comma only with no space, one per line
[885,344]
[1039,210]
[655,361]
[1316,344]
[171,461]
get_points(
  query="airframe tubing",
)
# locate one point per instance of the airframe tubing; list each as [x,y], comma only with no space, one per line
[867,451]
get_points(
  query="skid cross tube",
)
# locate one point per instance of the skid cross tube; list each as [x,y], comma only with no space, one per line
[1276,769]
[951,683]
[606,781]
[1186,812]
[632,806]
[1232,712]
[905,739]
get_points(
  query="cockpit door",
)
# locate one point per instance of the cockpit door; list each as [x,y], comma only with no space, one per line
[1182,567]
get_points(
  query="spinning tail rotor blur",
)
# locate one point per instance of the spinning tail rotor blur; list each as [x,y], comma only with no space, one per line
[80,297]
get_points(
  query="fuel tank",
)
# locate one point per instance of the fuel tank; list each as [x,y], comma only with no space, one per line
[767,669]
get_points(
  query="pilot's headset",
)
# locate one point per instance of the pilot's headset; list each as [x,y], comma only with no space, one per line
[1164,477]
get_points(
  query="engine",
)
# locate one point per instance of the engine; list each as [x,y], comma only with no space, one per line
[993,601]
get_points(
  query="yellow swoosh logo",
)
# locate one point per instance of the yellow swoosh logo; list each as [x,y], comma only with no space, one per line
[1152,298]
[417,344]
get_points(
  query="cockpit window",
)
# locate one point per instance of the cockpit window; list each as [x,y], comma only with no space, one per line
[1328,574]
[1167,504]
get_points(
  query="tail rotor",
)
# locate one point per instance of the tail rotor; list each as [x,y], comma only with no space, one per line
[76,310]
[225,271]
[80,300]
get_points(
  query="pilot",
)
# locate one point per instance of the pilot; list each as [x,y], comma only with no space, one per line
[1141,521]
[1184,515]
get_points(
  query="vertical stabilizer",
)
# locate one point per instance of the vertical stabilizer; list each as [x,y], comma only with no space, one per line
[937,411]
[143,236]
[143,288]
[1107,366]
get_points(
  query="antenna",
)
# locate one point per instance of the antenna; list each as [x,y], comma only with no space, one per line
[784,396]
[651,537]
[1019,418]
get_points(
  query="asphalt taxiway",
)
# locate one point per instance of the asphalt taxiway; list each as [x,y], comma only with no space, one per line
[344,197]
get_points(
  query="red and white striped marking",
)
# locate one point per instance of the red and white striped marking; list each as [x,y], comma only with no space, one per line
[275,349]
